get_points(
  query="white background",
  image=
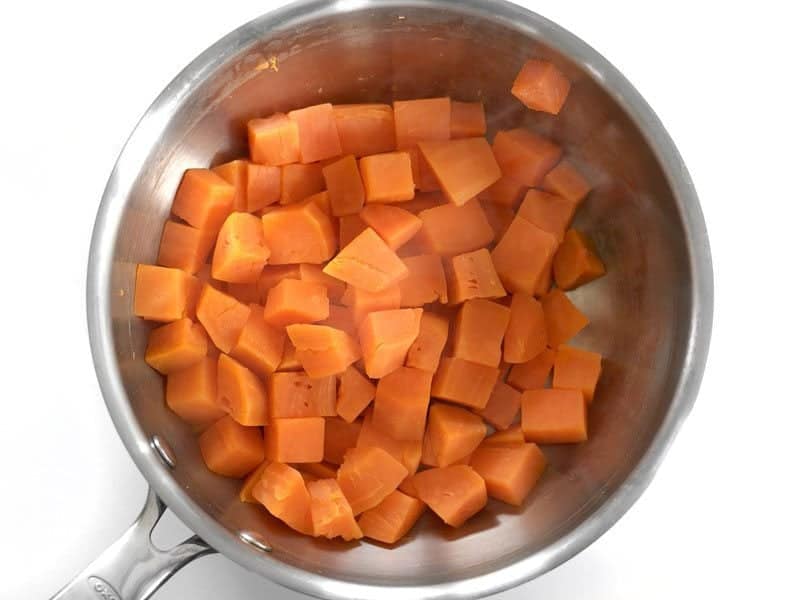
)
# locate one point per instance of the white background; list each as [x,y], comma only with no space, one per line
[721,518]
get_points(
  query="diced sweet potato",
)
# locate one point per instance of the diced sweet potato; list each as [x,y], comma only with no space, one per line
[259,346]
[512,435]
[223,317]
[203,200]
[323,201]
[506,191]
[323,350]
[545,283]
[547,211]
[273,141]
[349,228]
[315,274]
[401,403]
[192,393]
[319,470]
[368,475]
[299,440]
[331,514]
[386,336]
[240,392]
[387,177]
[256,186]
[541,86]
[246,293]
[464,382]
[472,275]
[394,225]
[467,119]
[423,201]
[566,181]
[246,491]
[408,452]
[299,182]
[577,369]
[240,253]
[294,394]
[449,230]
[562,318]
[532,375]
[271,276]
[554,416]
[340,436]
[454,493]
[392,519]
[354,395]
[161,294]
[498,216]
[344,185]
[299,233]
[526,336]
[231,449]
[296,301]
[575,262]
[510,472]
[479,329]
[175,346]
[283,493]
[289,361]
[419,120]
[426,350]
[525,156]
[453,433]
[425,283]
[424,177]
[522,255]
[319,138]
[503,406]
[367,263]
[361,302]
[184,247]
[463,167]
[365,128]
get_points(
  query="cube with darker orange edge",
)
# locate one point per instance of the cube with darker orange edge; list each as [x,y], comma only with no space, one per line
[512,435]
[533,374]
[184,247]
[368,475]
[522,255]
[576,369]
[547,211]
[161,293]
[299,440]
[464,382]
[299,233]
[392,519]
[231,449]
[222,316]
[426,350]
[319,138]
[385,337]
[298,182]
[365,128]
[453,433]
[331,514]
[449,229]
[566,181]
[454,493]
[394,225]
[426,281]
[273,141]
[191,393]
[259,346]
[360,302]
[503,406]
[283,493]
[421,119]
[554,416]
[175,346]
[272,275]
[367,263]
[235,173]
[323,350]
[246,491]
[294,394]
[498,216]
[506,191]
[341,317]
[295,301]
[526,335]
[257,186]
[387,177]
[401,403]
[354,394]
[562,318]
[464,167]
[541,86]
[340,436]
[241,252]
[203,200]
[408,452]
[576,262]
[314,273]
[510,471]
[344,185]
[240,392]
[467,119]
[479,329]
[525,156]
[349,228]
[472,275]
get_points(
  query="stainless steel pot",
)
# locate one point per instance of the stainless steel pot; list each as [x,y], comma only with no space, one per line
[651,315]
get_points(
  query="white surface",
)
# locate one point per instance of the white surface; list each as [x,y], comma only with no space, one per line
[720,519]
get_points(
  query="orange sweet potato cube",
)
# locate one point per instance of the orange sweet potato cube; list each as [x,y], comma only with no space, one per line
[203,200]
[454,493]
[464,167]
[296,301]
[453,433]
[299,182]
[385,337]
[314,273]
[566,181]
[522,255]
[368,475]
[283,493]
[367,263]
[299,233]
[323,350]
[354,394]
[547,211]
[463,382]
[512,435]
[420,120]
[175,346]
[273,141]
[533,374]
[246,491]
[222,316]
[162,294]
[387,177]
[293,394]
[525,156]
[230,449]
[503,406]
[426,350]
[541,86]
[575,262]
[256,186]
[408,452]
[191,393]
[360,302]
[401,403]
[394,225]
[259,346]
[479,329]
[577,369]
[506,191]
[300,440]
[448,230]
[425,283]
[365,128]
[316,127]
[392,519]
[510,471]
[240,392]
[331,514]
[272,275]
[562,318]
[184,247]
[554,416]
[340,436]
[467,119]
[240,253]
[472,275]
[349,228]
[344,185]
[526,335]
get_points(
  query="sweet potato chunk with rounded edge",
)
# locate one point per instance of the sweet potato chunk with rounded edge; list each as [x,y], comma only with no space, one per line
[392,518]
[299,233]
[295,301]
[394,225]
[271,276]
[365,128]
[575,262]
[367,263]
[532,375]
[222,315]
[240,392]
[479,329]
[184,247]
[426,351]
[323,350]
[510,472]
[525,156]
[387,177]
[526,335]
[162,294]
[386,336]
[421,119]
[354,395]
[192,393]
[467,119]
[401,403]
[231,449]
[453,433]
[298,440]
[577,369]
[426,281]
[256,186]
[554,416]
[562,318]
[246,491]
[368,475]
[547,211]
[283,493]
[299,182]
[344,185]
[472,275]
[203,200]
[540,85]
[512,435]
[331,514]
[259,346]
[522,255]
[408,452]
[316,129]
[566,181]
[175,346]
[464,382]
[503,406]
[293,394]
[464,168]
[273,141]
[240,253]
[340,436]
[454,493]
[449,230]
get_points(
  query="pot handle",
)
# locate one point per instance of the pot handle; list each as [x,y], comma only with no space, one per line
[132,568]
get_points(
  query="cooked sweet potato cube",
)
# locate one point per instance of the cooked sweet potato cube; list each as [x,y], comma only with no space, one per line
[532,375]
[479,329]
[510,471]
[401,403]
[283,493]
[203,200]
[522,255]
[240,253]
[354,394]
[464,382]
[298,440]
[541,86]
[425,283]
[526,336]
[394,225]
[368,475]
[273,141]
[256,185]
[512,435]
[566,181]
[361,302]
[184,247]
[426,351]
[259,346]
[316,127]
[299,182]
[331,514]
[472,275]
[464,168]
[547,211]
[175,346]
[419,120]
[448,230]
[467,119]
[162,294]
[562,318]
[293,394]
[192,393]
[525,156]
[392,519]
[365,128]
[506,191]
[222,316]
[554,416]
[577,369]
[387,177]
[453,433]
[231,449]
[386,336]
[240,392]
[299,233]
[575,262]
[344,185]
[454,493]
[295,301]
[367,263]
[503,406]
[323,350]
